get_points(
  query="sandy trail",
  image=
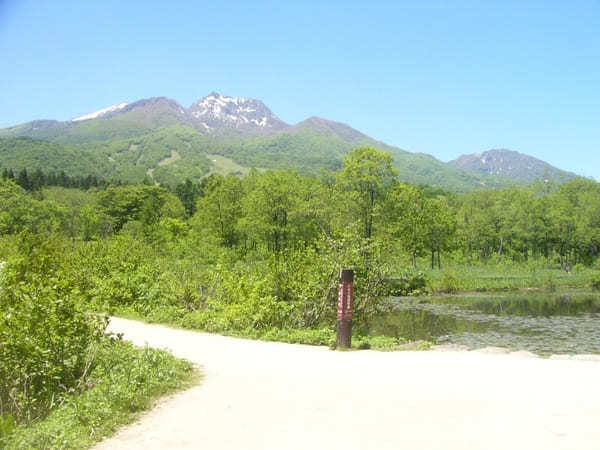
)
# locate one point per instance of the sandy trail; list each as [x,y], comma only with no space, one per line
[260,395]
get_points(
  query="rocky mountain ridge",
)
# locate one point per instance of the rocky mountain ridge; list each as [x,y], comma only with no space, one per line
[214,114]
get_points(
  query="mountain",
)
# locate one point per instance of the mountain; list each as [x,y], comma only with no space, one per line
[116,122]
[514,165]
[340,130]
[154,111]
[158,137]
[221,114]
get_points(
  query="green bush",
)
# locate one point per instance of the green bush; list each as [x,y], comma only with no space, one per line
[410,283]
[449,283]
[47,342]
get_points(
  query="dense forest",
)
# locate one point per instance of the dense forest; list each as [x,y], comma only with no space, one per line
[276,211]
[257,255]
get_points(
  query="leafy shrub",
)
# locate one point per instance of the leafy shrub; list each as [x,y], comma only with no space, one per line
[410,283]
[47,341]
[449,282]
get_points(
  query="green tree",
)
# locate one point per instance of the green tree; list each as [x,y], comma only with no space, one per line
[147,204]
[272,214]
[439,227]
[188,193]
[408,218]
[365,176]
[220,209]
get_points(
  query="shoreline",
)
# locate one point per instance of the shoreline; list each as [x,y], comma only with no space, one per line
[293,396]
[521,353]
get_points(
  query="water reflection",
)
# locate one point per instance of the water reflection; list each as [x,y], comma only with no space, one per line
[541,323]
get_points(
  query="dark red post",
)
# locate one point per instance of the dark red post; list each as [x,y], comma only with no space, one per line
[345,306]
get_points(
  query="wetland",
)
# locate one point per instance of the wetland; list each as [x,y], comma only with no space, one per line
[545,323]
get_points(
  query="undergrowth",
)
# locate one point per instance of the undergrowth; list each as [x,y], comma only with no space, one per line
[124,382]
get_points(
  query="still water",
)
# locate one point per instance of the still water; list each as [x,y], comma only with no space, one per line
[543,323]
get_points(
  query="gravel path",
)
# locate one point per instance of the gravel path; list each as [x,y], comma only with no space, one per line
[260,395]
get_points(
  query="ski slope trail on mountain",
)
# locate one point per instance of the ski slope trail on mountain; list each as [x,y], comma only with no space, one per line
[264,395]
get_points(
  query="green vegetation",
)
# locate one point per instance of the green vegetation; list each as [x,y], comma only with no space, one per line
[124,382]
[129,159]
[25,153]
[131,146]
[65,383]
[255,256]
[543,275]
[46,338]
[225,166]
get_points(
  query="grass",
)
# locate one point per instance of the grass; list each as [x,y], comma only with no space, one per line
[222,165]
[501,277]
[307,336]
[388,343]
[563,301]
[125,382]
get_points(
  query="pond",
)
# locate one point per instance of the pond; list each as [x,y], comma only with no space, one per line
[543,323]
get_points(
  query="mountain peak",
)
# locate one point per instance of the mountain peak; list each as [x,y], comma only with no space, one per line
[237,114]
[511,164]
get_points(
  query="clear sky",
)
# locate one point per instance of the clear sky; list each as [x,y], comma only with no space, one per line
[438,77]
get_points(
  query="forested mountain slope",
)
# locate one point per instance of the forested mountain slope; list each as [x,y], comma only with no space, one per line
[26,153]
[161,139]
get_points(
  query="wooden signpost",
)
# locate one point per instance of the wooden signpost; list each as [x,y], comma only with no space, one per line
[345,308]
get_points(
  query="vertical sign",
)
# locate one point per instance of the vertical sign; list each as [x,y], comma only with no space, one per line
[345,308]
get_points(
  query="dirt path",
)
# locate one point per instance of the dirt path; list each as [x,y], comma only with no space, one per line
[259,395]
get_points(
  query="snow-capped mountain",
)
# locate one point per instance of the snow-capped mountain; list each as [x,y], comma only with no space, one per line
[217,112]
[214,114]
[100,113]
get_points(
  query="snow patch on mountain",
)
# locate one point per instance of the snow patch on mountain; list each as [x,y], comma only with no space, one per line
[100,113]
[216,111]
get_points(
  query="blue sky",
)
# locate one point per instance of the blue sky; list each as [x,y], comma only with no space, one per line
[437,77]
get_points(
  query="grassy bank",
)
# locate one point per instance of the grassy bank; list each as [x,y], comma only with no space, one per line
[504,277]
[125,381]
[308,336]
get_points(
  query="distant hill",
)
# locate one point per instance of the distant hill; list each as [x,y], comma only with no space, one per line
[158,137]
[510,164]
